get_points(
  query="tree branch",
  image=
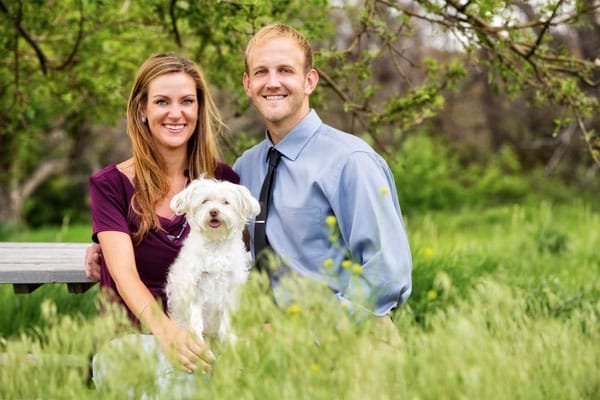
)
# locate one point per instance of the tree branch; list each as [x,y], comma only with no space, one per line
[78,41]
[36,48]
[172,6]
[542,33]
[592,140]
[45,170]
[354,108]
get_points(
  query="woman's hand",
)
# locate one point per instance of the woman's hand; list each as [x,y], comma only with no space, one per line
[186,351]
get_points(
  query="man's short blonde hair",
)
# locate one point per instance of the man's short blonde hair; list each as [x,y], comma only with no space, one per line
[276,31]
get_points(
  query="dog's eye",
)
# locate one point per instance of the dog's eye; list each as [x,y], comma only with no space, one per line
[204,201]
[225,202]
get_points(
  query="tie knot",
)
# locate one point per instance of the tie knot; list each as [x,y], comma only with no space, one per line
[274,156]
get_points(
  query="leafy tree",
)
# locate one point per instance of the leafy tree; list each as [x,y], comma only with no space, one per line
[67,67]
[537,46]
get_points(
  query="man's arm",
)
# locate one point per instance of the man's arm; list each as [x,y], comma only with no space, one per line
[369,217]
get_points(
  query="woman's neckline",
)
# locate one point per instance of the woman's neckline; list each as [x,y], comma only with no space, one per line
[174,219]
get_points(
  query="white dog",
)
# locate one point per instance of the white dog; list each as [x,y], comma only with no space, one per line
[203,282]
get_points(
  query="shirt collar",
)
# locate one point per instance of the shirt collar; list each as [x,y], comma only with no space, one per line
[293,143]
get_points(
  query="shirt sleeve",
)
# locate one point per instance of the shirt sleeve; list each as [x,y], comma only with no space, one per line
[371,224]
[108,205]
[224,172]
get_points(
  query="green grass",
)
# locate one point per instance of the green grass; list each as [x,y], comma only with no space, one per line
[66,233]
[505,305]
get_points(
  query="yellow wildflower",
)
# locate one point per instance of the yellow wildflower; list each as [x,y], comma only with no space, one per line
[331,221]
[428,252]
[356,268]
[293,309]
[328,263]
[432,295]
[346,264]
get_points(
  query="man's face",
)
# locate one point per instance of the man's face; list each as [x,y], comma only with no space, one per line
[277,85]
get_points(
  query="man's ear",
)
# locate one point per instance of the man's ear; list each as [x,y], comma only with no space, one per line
[246,82]
[312,78]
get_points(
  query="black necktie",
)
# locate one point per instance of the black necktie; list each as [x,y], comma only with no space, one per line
[260,225]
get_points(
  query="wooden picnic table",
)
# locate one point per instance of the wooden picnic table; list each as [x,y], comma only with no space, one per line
[27,266]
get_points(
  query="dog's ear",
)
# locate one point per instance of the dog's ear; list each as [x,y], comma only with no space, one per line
[249,205]
[180,201]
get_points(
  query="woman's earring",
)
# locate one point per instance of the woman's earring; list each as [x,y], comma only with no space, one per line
[144,119]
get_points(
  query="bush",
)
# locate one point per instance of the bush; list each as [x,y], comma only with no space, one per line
[426,175]
[430,176]
[500,181]
[56,201]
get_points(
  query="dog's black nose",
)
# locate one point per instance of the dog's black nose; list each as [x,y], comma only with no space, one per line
[214,212]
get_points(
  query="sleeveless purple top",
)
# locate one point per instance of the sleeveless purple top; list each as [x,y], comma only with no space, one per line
[110,199]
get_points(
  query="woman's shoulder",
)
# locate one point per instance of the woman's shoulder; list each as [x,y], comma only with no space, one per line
[107,172]
[224,172]
[115,171]
[112,178]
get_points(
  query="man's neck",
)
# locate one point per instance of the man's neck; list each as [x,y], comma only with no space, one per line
[277,132]
[275,138]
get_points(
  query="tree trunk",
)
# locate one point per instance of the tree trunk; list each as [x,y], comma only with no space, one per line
[12,196]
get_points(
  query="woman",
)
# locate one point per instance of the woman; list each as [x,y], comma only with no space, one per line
[173,126]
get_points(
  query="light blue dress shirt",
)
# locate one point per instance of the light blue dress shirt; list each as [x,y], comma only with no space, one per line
[325,172]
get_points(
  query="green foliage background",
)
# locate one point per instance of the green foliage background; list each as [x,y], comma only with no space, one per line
[67,67]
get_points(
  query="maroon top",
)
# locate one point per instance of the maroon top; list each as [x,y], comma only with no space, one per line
[110,199]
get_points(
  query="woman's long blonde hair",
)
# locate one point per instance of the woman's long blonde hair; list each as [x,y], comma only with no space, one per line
[150,181]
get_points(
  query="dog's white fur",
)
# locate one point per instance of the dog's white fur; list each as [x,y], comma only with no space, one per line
[203,283]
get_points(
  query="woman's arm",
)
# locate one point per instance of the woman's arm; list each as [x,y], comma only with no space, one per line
[186,351]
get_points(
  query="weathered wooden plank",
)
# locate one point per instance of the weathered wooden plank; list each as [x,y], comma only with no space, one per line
[29,265]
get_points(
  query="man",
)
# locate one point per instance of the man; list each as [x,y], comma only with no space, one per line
[334,214]
[324,179]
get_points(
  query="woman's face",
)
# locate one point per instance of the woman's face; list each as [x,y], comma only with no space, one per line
[172,109]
